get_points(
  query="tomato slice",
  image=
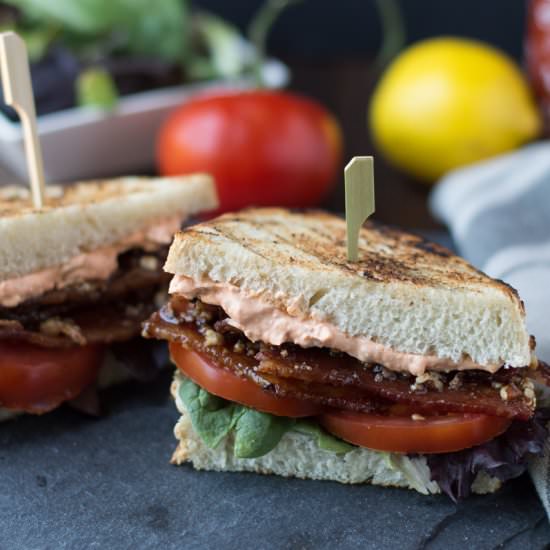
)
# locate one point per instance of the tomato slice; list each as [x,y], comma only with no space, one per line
[402,434]
[394,432]
[232,387]
[36,379]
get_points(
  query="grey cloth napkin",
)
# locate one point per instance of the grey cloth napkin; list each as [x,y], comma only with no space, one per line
[498,213]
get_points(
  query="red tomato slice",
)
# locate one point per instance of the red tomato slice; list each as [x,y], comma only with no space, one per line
[37,379]
[224,383]
[402,434]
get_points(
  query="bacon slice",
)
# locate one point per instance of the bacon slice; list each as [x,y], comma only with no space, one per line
[92,311]
[244,365]
[477,393]
[338,380]
[100,324]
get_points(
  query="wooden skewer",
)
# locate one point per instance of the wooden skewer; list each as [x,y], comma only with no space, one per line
[359,182]
[17,87]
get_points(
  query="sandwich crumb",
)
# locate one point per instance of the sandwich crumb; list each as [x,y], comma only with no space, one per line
[303,366]
[433,378]
[212,338]
[529,392]
[456,382]
[66,327]
[238,346]
[504,393]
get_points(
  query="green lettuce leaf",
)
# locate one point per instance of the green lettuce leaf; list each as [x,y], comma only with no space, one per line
[415,470]
[212,418]
[257,433]
[325,441]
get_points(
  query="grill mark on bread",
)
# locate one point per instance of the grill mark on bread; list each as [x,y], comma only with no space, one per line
[245,243]
[432,248]
[222,233]
[386,253]
[15,199]
[307,241]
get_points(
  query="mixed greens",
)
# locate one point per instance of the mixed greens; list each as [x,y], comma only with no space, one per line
[504,457]
[91,51]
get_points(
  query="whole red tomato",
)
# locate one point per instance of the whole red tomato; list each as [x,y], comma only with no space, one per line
[263,148]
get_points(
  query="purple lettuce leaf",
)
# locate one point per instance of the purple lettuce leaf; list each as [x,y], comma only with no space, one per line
[504,457]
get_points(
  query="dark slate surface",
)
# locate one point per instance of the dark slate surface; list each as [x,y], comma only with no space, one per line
[72,482]
[67,481]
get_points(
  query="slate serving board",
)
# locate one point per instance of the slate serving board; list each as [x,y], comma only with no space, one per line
[68,481]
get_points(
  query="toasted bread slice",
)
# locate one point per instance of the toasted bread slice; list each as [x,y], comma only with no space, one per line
[87,215]
[405,293]
[297,455]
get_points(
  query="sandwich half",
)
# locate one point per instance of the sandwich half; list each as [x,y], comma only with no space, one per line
[407,368]
[78,277]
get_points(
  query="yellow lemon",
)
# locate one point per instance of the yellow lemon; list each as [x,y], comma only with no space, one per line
[447,102]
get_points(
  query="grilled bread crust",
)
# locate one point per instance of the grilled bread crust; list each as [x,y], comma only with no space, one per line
[87,215]
[404,292]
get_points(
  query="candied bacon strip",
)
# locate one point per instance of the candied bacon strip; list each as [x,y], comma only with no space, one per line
[322,394]
[104,323]
[476,394]
[337,381]
[187,334]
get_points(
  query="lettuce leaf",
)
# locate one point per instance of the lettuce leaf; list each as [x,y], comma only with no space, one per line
[415,470]
[325,441]
[212,418]
[256,433]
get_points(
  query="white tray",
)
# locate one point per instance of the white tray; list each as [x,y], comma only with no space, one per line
[86,142]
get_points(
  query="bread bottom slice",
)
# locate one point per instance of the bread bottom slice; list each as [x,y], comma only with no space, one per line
[112,372]
[297,455]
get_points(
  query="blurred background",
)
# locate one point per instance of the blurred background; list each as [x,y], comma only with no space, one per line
[332,51]
[318,29]
[337,54]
